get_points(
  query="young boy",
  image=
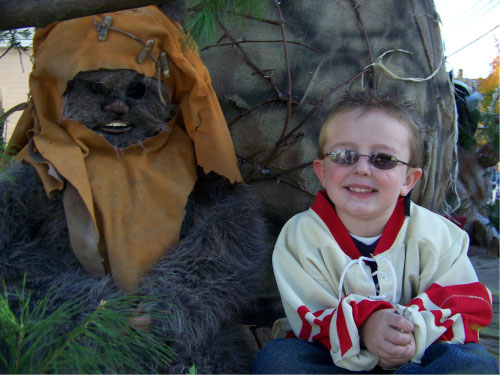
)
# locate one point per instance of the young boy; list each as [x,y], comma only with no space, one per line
[370,281]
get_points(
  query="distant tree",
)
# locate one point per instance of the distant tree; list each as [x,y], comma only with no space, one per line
[489,106]
[13,39]
[489,86]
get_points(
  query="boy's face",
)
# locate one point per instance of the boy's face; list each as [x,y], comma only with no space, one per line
[365,196]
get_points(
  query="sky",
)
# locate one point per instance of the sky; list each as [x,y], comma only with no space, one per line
[464,21]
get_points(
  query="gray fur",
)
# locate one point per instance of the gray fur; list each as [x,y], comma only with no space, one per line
[208,279]
[97,98]
[176,10]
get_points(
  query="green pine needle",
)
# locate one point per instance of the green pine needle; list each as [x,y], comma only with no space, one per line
[69,340]
[202,23]
[192,370]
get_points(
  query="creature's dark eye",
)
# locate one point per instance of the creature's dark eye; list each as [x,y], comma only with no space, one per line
[98,88]
[136,90]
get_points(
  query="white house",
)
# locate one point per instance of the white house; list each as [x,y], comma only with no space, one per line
[15,68]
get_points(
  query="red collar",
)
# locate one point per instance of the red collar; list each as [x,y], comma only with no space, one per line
[326,211]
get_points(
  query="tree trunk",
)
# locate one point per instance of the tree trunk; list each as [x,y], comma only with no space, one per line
[39,13]
[276,96]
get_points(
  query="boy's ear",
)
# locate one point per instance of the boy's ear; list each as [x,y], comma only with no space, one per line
[320,171]
[412,177]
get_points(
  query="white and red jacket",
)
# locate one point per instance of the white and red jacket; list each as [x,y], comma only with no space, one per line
[328,290]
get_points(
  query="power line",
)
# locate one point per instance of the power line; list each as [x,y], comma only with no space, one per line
[466,14]
[471,17]
[487,11]
[474,41]
[475,22]
[475,14]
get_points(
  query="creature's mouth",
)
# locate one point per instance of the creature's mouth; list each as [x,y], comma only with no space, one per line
[116,127]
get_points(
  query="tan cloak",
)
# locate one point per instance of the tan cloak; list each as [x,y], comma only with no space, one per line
[124,207]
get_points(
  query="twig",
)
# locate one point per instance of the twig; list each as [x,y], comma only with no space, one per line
[321,101]
[20,52]
[427,54]
[249,62]
[279,179]
[288,75]
[262,20]
[355,6]
[243,114]
[7,51]
[5,115]
[274,175]
[281,141]
[17,107]
[297,186]
[260,41]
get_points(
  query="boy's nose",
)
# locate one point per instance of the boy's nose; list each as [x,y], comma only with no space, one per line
[363,167]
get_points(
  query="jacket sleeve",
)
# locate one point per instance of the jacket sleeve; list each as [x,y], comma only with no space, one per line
[311,304]
[452,305]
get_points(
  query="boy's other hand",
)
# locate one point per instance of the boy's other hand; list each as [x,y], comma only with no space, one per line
[390,363]
[389,336]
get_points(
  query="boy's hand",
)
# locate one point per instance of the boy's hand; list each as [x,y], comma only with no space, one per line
[390,363]
[389,336]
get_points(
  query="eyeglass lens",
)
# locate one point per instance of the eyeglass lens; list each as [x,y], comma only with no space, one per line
[378,160]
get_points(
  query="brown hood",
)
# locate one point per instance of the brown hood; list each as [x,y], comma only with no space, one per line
[125,207]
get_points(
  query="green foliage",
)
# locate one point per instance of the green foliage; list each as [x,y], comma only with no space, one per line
[14,39]
[202,22]
[493,214]
[192,370]
[488,133]
[488,130]
[67,339]
[5,158]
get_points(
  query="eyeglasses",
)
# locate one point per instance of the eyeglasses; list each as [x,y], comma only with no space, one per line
[378,159]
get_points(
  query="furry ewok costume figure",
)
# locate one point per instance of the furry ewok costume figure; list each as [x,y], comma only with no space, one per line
[118,190]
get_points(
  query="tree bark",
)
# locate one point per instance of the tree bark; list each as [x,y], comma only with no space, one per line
[39,13]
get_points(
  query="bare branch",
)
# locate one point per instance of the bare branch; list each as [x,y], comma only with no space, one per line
[320,102]
[243,114]
[5,115]
[39,13]
[288,74]
[250,63]
[259,41]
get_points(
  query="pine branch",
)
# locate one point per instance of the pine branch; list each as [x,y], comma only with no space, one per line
[38,338]
[202,20]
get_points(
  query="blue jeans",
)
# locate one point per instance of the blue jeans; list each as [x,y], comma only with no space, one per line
[296,356]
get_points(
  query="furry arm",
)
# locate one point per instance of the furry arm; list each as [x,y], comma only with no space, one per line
[34,241]
[218,265]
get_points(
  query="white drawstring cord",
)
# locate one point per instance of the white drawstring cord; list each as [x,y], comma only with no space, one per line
[394,284]
[382,274]
[360,264]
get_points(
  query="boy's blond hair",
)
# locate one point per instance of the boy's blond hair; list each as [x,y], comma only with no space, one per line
[392,106]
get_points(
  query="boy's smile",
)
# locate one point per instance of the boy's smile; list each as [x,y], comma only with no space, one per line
[365,196]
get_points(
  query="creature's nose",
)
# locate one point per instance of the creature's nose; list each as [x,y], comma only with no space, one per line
[117,106]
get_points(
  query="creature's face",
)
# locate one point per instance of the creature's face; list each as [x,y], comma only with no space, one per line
[122,105]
